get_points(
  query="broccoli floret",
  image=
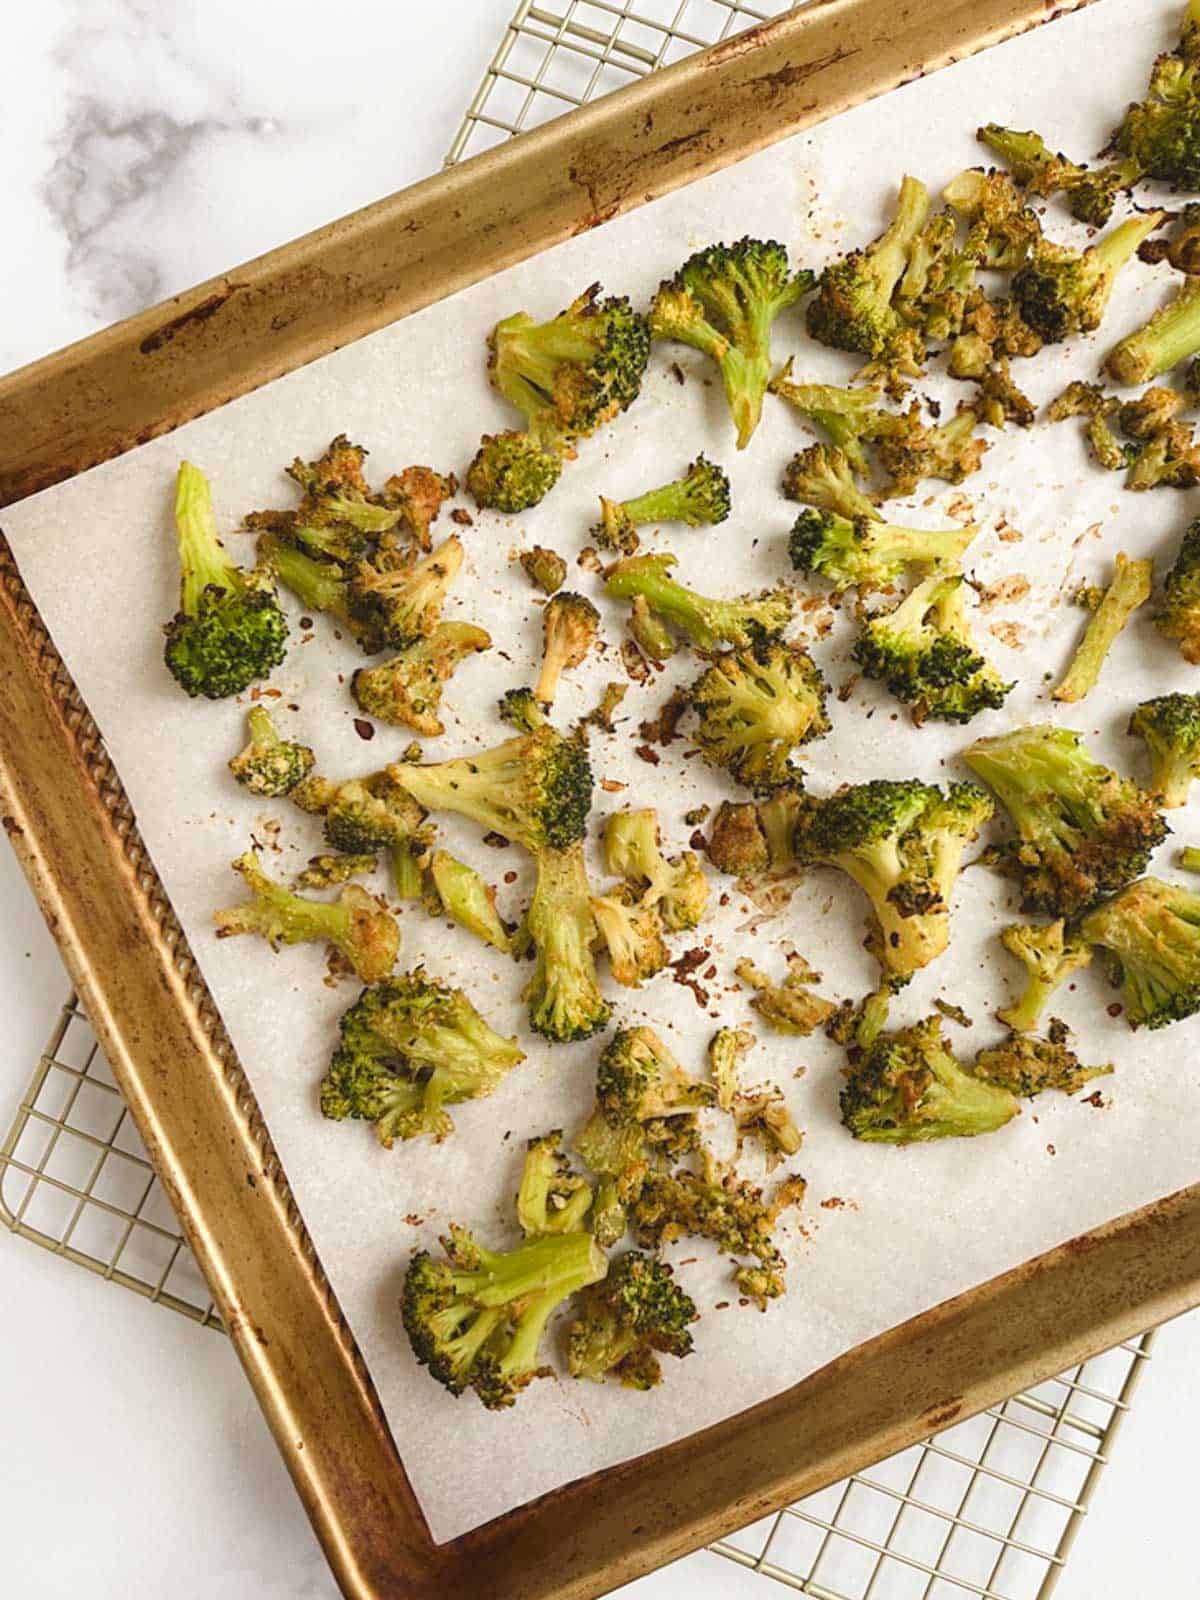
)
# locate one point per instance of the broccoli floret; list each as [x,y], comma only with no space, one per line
[932,295]
[741,622]
[229,628]
[1060,291]
[1082,829]
[725,1051]
[1170,336]
[1028,1067]
[749,837]
[1089,400]
[399,601]
[355,924]
[639,1080]
[902,843]
[1000,401]
[852,308]
[1167,455]
[268,765]
[468,900]
[822,476]
[551,1198]
[1178,616]
[676,886]
[1130,588]
[850,417]
[923,651]
[1091,192]
[603,714]
[1161,134]
[319,585]
[1003,229]
[909,1087]
[366,815]
[755,708]
[992,330]
[409,1048]
[791,1006]
[722,302]
[519,708]
[617,1152]
[1049,954]
[698,499]
[565,1003]
[328,871]
[951,451]
[512,471]
[761,1114]
[1170,725]
[545,569]
[1151,931]
[632,933]
[407,690]
[535,789]
[869,554]
[570,627]
[476,1320]
[623,1324]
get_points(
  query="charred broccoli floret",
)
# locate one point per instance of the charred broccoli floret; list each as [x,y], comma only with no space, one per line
[1170,336]
[1004,230]
[1091,192]
[1178,616]
[754,708]
[675,885]
[923,651]
[617,1152]
[869,554]
[570,627]
[1060,291]
[355,924]
[723,302]
[752,836]
[626,1322]
[791,1006]
[822,476]
[1130,588]
[1082,830]
[398,600]
[1000,401]
[563,994]
[1027,1067]
[851,417]
[632,933]
[932,295]
[698,499]
[229,629]
[545,569]
[551,1198]
[476,1320]
[1090,401]
[329,870]
[639,1080]
[1161,134]
[409,1048]
[465,898]
[365,815]
[902,843]
[1049,954]
[950,451]
[1170,725]
[908,1087]
[725,1051]
[512,471]
[407,690]
[1166,454]
[741,622]
[1151,931]
[268,765]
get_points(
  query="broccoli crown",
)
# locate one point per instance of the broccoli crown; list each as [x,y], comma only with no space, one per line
[852,308]
[464,896]
[625,1322]
[755,707]
[1082,829]
[1060,291]
[1049,955]
[1091,193]
[535,789]
[268,765]
[723,302]
[1151,931]
[1027,1067]
[570,375]
[909,1087]
[570,627]
[476,1320]
[512,471]
[397,602]
[1161,133]
[1170,336]
[856,553]
[565,1003]
[822,476]
[364,815]
[410,1047]
[744,621]
[407,690]
[1170,725]
[922,650]
[848,416]
[1178,617]
[638,1078]
[632,933]
[551,1198]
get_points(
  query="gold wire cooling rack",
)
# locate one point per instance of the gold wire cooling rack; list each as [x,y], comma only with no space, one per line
[990,1507]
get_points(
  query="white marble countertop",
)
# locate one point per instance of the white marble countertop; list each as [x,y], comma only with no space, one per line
[148,144]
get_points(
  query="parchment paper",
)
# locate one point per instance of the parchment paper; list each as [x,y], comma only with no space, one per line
[98,555]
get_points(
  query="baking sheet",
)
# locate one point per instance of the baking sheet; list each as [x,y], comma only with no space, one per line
[98,556]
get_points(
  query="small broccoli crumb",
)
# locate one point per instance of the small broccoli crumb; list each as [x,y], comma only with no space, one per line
[791,1006]
[544,568]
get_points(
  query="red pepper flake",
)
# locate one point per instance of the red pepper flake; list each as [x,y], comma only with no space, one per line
[721,1305]
[1095,1099]
[648,754]
[510,877]
[833,1203]
[710,973]
[698,841]
[611,786]
[463,517]
[496,840]
[363,728]
[414,1221]
[1050,1150]
[1115,1009]
[724,900]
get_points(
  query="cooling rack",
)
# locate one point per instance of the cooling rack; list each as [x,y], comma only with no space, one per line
[988,1508]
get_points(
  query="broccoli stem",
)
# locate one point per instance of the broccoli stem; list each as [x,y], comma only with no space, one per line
[889,255]
[549,1265]
[318,585]
[407,875]
[202,556]
[670,502]
[1120,244]
[1130,588]
[261,729]
[1170,336]
[1189,858]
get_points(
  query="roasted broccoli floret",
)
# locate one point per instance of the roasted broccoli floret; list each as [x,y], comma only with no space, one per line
[519,708]
[512,471]
[229,629]
[1082,830]
[603,714]
[1000,401]
[676,886]
[1130,588]
[932,295]
[869,554]
[698,499]
[319,585]
[476,1320]
[1170,336]
[355,924]
[551,1198]
[749,837]
[761,1114]
[909,1087]
[1178,616]
[632,933]
[851,417]
[328,871]
[639,1080]
[822,476]
[409,1048]
[1091,192]
[268,765]
[950,451]
[1170,725]
[741,622]
[545,569]
[1049,954]
[535,789]
[399,601]
[791,1006]
[923,651]
[1060,291]
[722,302]
[1161,134]
[570,627]
[1004,230]
[992,330]
[624,1324]
[1027,1067]
[617,1152]
[1151,931]
[725,1051]
[563,994]
[902,843]
[468,900]
[756,707]
[1166,454]
[365,815]
[407,690]
[1090,401]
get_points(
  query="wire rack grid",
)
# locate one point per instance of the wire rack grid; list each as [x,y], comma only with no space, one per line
[987,1509]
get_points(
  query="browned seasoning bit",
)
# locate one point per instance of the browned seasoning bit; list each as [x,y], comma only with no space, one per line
[634,662]
[698,841]
[510,877]
[496,840]
[677,373]
[647,754]
[1115,1009]
[363,728]
[463,517]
